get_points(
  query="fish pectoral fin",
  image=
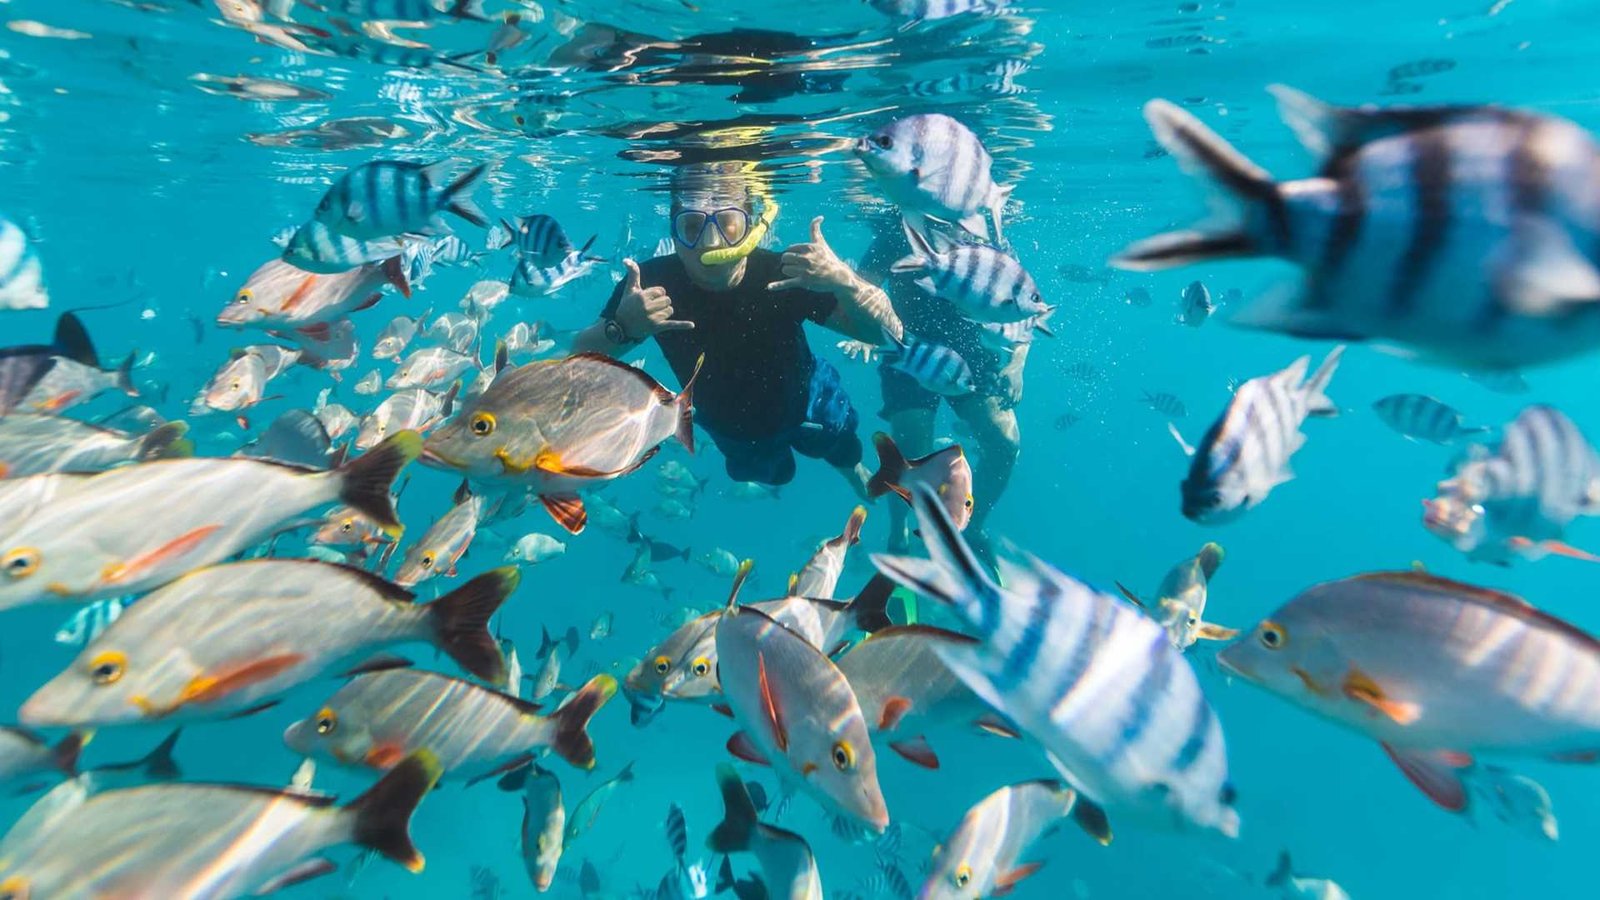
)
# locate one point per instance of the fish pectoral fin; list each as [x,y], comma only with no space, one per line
[1559,548]
[1130,595]
[917,751]
[516,763]
[1005,882]
[317,332]
[722,709]
[1209,631]
[1436,773]
[769,703]
[567,510]
[300,874]
[741,747]
[894,709]
[1360,687]
[252,710]
[134,568]
[208,687]
[385,755]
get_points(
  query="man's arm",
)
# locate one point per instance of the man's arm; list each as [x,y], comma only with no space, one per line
[863,311]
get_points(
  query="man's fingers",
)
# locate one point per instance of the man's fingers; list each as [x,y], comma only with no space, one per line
[784,285]
[816,232]
[652,294]
[630,281]
[674,325]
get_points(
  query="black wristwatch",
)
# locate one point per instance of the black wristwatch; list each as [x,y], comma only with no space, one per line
[615,334]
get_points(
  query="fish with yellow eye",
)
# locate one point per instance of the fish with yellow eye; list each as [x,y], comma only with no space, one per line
[799,715]
[1435,670]
[557,426]
[88,537]
[438,550]
[345,527]
[946,470]
[204,840]
[983,856]
[414,410]
[282,297]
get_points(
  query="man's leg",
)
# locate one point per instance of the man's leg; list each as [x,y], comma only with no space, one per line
[995,429]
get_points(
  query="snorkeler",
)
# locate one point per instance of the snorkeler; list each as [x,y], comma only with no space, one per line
[911,409]
[762,395]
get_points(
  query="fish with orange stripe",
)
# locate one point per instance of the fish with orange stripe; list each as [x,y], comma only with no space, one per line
[73,539]
[280,297]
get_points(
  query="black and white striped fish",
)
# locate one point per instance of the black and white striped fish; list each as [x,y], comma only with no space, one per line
[1166,404]
[985,284]
[915,11]
[1519,498]
[317,248]
[529,279]
[1422,418]
[21,275]
[888,883]
[932,165]
[1464,234]
[388,198]
[1086,675]
[1245,454]
[1195,306]
[538,237]
[87,624]
[936,367]
[677,834]
[996,79]
[1003,337]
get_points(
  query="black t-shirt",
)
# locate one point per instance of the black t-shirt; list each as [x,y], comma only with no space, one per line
[757,375]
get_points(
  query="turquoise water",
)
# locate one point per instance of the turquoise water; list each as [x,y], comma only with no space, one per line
[152,189]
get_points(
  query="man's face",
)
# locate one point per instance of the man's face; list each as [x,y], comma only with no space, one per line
[717,225]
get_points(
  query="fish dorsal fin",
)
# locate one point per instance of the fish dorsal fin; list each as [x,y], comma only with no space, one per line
[1330,131]
[383,662]
[643,376]
[379,585]
[1509,604]
[927,632]
[923,460]
[739,578]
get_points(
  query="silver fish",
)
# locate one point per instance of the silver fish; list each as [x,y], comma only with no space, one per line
[32,444]
[821,574]
[430,368]
[21,274]
[442,546]
[544,825]
[1516,800]
[395,336]
[984,284]
[788,870]
[1423,418]
[414,410]
[588,809]
[932,165]
[1195,307]
[388,198]
[1180,600]
[935,367]
[1299,887]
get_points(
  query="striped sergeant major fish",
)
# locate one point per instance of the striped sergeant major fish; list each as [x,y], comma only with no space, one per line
[529,279]
[937,368]
[1245,453]
[539,237]
[1422,418]
[915,11]
[388,198]
[1433,669]
[932,165]
[317,248]
[1464,234]
[999,78]
[985,284]
[1519,498]
[1091,679]
[21,275]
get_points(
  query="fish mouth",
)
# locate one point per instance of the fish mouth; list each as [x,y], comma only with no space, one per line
[1225,660]
[432,457]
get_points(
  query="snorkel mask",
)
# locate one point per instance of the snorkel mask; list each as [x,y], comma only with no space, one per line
[718,195]
[753,237]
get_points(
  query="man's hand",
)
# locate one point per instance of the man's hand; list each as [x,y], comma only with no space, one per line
[643,311]
[814,266]
[1008,381]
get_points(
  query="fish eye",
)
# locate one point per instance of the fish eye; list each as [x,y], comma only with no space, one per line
[702,666]
[1273,637]
[963,875]
[482,424]
[107,668]
[663,665]
[883,141]
[346,526]
[844,756]
[327,721]
[244,297]
[968,503]
[20,563]
[233,385]
[427,560]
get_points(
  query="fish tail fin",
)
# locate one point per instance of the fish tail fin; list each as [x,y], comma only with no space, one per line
[72,341]
[892,466]
[458,196]
[1210,558]
[545,643]
[65,753]
[1282,872]
[381,818]
[570,639]
[997,208]
[1234,184]
[953,574]
[1092,819]
[572,742]
[733,834]
[870,608]
[626,775]
[365,482]
[852,527]
[123,377]
[165,442]
[922,252]
[1317,402]
[1041,322]
[460,622]
[685,406]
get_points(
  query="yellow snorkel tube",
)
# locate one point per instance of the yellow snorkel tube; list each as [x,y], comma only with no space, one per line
[727,255]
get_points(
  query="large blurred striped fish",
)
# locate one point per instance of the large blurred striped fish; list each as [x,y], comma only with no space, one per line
[1096,683]
[1520,498]
[1462,233]
[1434,669]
